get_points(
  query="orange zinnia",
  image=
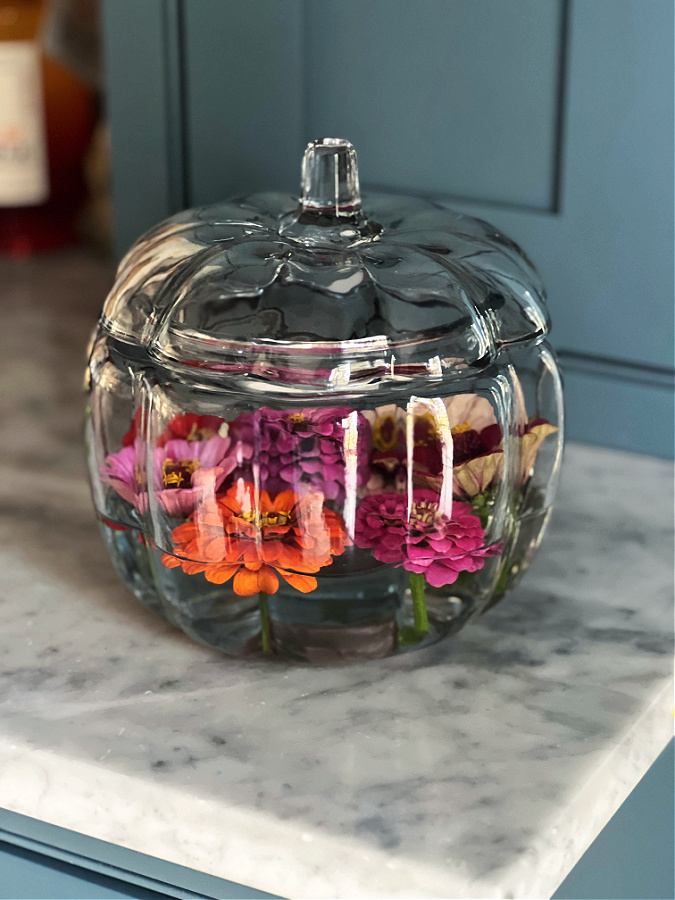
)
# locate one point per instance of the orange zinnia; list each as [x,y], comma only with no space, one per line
[255,538]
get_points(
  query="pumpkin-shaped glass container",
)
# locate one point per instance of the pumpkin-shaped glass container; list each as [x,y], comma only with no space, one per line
[323,430]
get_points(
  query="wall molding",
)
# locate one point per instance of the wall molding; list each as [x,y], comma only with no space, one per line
[654,376]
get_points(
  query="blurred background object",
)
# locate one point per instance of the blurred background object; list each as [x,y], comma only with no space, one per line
[70,34]
[50,79]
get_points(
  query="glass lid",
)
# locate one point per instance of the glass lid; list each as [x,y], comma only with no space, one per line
[327,287]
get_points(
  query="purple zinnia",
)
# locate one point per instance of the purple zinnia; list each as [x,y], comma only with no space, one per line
[307,449]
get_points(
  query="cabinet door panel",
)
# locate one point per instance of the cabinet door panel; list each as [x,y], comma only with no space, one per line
[242,96]
[553,119]
[455,97]
[607,254]
[146,176]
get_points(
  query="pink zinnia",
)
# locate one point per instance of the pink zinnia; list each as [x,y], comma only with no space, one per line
[426,542]
[318,461]
[120,471]
[179,469]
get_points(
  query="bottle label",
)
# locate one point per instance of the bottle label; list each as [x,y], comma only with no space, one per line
[24,175]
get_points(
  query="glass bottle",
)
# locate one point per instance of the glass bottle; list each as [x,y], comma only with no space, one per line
[47,117]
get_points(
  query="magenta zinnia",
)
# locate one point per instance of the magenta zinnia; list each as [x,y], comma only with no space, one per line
[422,540]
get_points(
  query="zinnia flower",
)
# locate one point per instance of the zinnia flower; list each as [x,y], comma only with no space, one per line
[303,449]
[531,441]
[178,472]
[179,469]
[255,541]
[190,427]
[478,442]
[120,471]
[470,410]
[389,452]
[130,437]
[481,456]
[422,541]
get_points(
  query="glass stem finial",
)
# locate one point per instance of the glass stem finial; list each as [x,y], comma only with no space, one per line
[330,178]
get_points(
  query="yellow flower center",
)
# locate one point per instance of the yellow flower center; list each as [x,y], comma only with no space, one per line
[423,512]
[461,428]
[385,433]
[425,432]
[260,520]
[297,418]
[177,473]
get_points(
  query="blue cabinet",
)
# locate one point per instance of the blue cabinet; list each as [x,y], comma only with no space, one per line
[551,118]
[29,875]
[42,862]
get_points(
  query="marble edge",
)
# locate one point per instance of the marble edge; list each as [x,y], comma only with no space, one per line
[566,838]
[281,857]
[231,843]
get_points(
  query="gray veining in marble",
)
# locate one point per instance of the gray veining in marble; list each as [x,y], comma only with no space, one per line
[481,767]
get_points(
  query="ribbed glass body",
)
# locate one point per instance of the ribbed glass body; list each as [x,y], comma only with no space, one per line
[320,431]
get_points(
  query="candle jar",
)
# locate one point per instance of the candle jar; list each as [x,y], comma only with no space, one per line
[323,429]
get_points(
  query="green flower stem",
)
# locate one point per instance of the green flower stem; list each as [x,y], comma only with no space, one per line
[417,583]
[264,623]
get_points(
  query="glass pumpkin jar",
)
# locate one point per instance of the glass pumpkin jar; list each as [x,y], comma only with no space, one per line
[322,430]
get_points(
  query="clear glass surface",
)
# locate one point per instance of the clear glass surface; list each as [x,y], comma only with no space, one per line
[323,430]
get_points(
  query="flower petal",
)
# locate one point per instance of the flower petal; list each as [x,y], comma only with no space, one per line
[303,583]
[267,581]
[285,501]
[476,475]
[171,562]
[219,574]
[246,583]
[194,568]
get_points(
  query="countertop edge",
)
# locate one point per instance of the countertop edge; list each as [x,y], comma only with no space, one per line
[583,819]
[90,800]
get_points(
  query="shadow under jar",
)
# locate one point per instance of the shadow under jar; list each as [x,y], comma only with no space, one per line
[322,430]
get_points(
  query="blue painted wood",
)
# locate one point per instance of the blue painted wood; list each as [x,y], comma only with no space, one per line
[32,849]
[619,406]
[633,856]
[243,94]
[25,874]
[607,255]
[140,53]
[214,97]
[440,97]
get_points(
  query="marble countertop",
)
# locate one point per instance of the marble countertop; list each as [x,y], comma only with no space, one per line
[481,767]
